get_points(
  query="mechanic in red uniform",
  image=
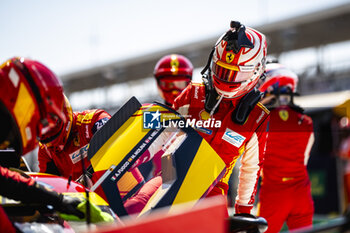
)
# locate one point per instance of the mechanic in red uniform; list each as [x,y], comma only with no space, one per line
[285,194]
[61,152]
[31,99]
[173,73]
[228,95]
[344,154]
[341,126]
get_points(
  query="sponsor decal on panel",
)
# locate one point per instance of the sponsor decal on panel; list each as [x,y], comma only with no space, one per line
[134,155]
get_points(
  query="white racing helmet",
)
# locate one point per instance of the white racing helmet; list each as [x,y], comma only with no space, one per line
[238,61]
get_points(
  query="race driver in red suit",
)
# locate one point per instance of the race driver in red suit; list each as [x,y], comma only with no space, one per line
[285,194]
[31,100]
[228,95]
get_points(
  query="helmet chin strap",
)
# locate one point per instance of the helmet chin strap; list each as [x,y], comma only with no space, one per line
[216,105]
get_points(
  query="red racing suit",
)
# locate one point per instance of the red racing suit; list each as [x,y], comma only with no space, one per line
[230,141]
[67,162]
[15,186]
[285,193]
[344,154]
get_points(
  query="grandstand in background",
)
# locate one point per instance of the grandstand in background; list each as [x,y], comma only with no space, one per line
[313,41]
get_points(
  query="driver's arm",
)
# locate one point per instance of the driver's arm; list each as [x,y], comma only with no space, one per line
[26,190]
[249,173]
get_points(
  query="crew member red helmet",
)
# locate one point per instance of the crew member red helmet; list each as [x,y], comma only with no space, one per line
[279,80]
[238,60]
[31,103]
[173,73]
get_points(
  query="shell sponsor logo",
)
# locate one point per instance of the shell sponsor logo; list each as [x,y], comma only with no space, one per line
[204,115]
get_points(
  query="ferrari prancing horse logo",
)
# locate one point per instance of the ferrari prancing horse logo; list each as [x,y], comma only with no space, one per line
[229,57]
[284,115]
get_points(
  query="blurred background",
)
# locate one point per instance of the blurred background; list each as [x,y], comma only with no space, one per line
[105,52]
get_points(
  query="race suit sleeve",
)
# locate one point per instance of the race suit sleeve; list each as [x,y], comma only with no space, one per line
[26,190]
[251,163]
[182,102]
